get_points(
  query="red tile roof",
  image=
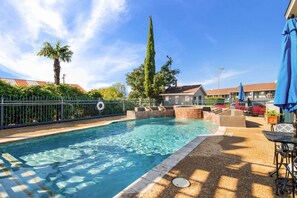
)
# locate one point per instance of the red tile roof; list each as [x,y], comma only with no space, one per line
[247,88]
[187,90]
[21,82]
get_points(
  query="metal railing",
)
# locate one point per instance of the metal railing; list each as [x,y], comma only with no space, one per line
[16,112]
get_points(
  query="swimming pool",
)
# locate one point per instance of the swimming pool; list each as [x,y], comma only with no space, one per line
[95,162]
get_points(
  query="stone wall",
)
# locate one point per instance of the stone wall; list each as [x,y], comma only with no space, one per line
[150,114]
[188,113]
[230,118]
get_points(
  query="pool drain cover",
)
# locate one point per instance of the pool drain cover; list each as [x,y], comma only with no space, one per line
[181,182]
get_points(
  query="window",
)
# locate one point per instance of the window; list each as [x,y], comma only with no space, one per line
[187,98]
[166,98]
[176,99]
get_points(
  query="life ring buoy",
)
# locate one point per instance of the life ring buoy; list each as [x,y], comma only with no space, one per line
[100,105]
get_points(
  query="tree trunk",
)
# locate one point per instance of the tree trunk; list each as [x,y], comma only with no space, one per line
[57,69]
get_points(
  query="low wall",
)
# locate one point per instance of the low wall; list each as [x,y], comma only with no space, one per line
[230,118]
[150,114]
[188,113]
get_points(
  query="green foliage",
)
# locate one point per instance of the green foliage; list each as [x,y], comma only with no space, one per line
[272,113]
[144,81]
[47,91]
[120,87]
[108,93]
[94,93]
[214,101]
[59,53]
[214,98]
[149,62]
[163,79]
[7,89]
[135,80]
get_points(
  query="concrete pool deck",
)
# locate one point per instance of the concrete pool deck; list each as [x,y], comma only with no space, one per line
[30,132]
[235,164]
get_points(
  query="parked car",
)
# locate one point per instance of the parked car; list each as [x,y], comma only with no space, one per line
[255,108]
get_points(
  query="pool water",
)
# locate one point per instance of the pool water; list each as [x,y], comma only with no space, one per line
[95,162]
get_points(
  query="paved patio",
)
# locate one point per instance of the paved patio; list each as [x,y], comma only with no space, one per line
[233,165]
[29,132]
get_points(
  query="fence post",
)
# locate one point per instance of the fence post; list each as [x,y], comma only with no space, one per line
[2,113]
[62,109]
[124,105]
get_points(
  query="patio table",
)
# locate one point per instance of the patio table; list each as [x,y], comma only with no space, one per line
[286,138]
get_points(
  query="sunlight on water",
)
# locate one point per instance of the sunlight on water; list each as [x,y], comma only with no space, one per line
[101,161]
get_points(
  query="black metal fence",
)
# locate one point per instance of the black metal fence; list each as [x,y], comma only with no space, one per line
[15,112]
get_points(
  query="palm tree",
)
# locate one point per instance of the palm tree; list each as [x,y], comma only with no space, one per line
[57,54]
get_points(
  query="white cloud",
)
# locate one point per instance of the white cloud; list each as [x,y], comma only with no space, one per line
[94,63]
[40,16]
[211,39]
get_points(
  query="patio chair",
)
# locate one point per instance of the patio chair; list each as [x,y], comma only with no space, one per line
[282,149]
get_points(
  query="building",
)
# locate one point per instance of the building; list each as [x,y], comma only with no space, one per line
[184,95]
[21,82]
[262,91]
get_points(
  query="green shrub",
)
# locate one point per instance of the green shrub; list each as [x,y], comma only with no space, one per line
[272,113]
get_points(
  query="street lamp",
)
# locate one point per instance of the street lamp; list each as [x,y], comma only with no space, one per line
[219,72]
[63,78]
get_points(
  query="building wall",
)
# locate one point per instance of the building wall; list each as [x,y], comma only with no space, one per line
[171,100]
[253,95]
[177,100]
[198,100]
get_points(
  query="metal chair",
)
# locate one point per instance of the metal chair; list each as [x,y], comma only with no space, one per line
[282,149]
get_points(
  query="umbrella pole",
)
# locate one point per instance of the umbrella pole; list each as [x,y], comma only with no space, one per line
[295,123]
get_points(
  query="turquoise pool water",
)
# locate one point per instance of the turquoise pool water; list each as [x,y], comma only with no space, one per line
[96,162]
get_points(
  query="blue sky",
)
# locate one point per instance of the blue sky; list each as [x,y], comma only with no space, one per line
[109,39]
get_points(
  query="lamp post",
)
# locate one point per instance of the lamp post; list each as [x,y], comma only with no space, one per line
[63,78]
[219,72]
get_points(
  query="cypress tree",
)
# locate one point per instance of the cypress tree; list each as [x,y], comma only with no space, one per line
[149,62]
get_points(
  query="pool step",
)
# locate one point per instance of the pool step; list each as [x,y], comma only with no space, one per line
[20,182]
[11,160]
[11,184]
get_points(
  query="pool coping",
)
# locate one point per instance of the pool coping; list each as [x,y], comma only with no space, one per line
[146,181]
[59,132]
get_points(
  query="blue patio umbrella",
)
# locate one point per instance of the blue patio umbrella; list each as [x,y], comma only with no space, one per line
[286,87]
[241,93]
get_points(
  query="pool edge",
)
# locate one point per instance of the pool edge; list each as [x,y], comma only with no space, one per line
[58,132]
[146,181]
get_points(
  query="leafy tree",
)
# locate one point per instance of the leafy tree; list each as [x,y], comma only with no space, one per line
[108,93]
[67,91]
[163,79]
[149,62]
[135,80]
[94,93]
[59,53]
[6,89]
[120,87]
